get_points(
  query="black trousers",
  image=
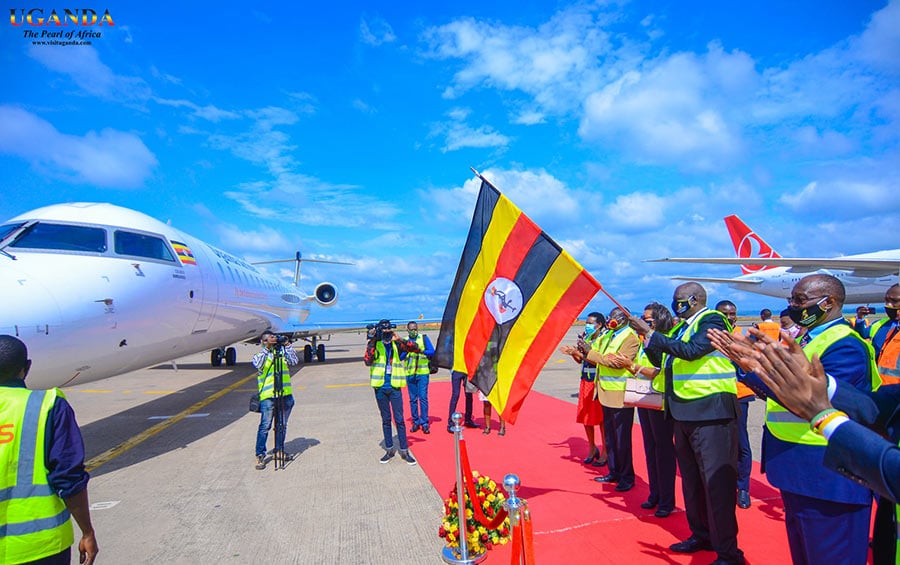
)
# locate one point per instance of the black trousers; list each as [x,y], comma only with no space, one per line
[617,423]
[659,449]
[707,454]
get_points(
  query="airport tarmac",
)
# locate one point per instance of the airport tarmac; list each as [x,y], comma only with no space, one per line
[173,477]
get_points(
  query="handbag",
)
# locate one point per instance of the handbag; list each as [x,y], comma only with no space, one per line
[640,394]
[254,402]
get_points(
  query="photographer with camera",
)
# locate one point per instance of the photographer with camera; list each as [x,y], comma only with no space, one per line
[418,373]
[385,356]
[273,381]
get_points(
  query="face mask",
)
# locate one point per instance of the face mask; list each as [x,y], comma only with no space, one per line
[589,329]
[891,312]
[413,334]
[614,324]
[808,317]
[682,306]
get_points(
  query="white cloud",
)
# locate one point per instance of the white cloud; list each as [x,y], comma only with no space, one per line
[376,32]
[555,62]
[676,111]
[841,198]
[208,112]
[459,136]
[84,68]
[265,239]
[108,158]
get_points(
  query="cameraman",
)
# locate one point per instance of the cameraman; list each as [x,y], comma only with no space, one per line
[276,351]
[385,354]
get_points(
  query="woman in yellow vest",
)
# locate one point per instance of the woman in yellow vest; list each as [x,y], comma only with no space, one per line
[589,412]
[656,429]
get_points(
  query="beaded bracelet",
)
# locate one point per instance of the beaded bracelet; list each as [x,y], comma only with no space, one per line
[817,419]
[823,423]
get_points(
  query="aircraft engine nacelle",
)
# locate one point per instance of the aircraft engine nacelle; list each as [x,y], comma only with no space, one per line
[325,294]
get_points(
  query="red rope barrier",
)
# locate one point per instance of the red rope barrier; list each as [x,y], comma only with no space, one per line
[470,490]
[522,541]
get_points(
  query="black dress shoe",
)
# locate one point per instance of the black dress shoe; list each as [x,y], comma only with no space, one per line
[414,428]
[743,499]
[607,479]
[648,505]
[426,429]
[660,513]
[471,424]
[691,545]
[624,487]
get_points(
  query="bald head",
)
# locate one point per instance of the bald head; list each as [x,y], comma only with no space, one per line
[691,289]
[822,285]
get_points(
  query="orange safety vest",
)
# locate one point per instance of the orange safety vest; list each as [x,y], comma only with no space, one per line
[771,329]
[743,391]
[889,359]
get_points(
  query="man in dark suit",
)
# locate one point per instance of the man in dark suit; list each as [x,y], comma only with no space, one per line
[701,399]
[817,502]
[856,448]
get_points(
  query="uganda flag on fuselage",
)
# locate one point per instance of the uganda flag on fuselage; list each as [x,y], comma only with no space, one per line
[515,295]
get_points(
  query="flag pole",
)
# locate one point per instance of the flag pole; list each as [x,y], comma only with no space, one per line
[614,301]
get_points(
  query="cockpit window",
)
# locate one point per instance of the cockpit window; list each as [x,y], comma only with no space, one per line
[61,237]
[141,245]
[8,229]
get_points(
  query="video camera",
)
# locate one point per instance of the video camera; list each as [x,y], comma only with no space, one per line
[378,331]
[283,340]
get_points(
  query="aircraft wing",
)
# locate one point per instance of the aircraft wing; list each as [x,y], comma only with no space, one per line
[749,280]
[865,266]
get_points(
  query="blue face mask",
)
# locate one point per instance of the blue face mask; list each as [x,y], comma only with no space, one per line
[589,329]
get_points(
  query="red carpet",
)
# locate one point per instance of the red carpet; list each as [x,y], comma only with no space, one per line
[577,520]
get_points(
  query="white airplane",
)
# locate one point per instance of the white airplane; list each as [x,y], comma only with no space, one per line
[866,277]
[96,290]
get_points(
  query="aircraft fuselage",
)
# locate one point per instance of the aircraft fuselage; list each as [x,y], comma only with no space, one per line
[96,290]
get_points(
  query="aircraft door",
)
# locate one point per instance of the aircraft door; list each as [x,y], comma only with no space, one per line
[205,288]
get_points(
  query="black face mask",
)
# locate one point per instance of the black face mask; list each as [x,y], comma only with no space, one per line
[808,317]
[891,312]
[682,306]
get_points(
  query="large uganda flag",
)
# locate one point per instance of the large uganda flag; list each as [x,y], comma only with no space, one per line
[515,295]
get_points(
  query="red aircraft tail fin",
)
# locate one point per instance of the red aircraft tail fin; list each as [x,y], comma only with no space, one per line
[748,244]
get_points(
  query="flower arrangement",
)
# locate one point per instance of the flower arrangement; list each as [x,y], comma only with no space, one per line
[479,538]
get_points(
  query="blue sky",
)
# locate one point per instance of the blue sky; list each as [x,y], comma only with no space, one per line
[626,130]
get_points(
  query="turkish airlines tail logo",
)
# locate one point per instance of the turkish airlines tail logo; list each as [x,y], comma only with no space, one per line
[748,245]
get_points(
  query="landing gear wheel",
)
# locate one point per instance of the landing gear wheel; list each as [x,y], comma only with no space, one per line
[307,353]
[320,352]
[230,356]
[215,357]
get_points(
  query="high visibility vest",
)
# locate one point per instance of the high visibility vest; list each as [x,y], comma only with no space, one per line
[889,356]
[614,379]
[417,363]
[589,371]
[377,369]
[711,374]
[790,428]
[265,380]
[35,522]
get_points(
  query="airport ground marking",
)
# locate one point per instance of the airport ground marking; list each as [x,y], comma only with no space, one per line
[133,441]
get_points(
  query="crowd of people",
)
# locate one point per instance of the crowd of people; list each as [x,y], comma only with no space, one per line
[807,367]
[830,441]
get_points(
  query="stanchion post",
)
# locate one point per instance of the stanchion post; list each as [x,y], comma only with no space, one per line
[512,503]
[449,554]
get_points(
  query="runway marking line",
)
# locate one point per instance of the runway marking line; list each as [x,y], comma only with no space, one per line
[140,438]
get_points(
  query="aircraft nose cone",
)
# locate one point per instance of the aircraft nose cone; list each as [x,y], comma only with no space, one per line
[28,307]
